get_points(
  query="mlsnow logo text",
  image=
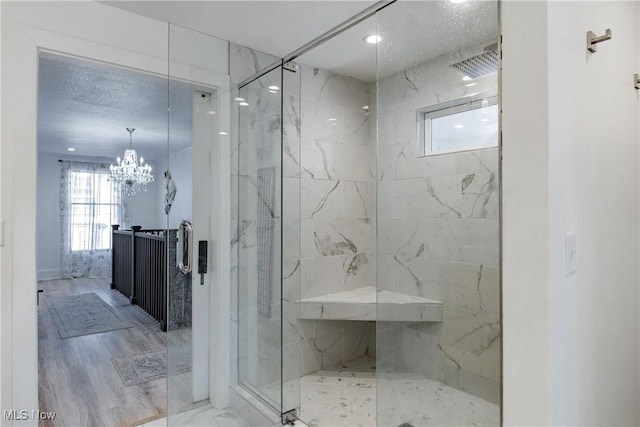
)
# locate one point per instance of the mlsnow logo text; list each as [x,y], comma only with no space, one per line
[23,414]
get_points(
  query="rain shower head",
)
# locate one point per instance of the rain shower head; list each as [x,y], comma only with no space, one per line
[479,65]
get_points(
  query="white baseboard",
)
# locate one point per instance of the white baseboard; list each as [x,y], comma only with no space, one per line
[49,274]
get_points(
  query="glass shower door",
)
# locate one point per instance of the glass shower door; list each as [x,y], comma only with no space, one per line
[196,204]
[260,229]
[268,250]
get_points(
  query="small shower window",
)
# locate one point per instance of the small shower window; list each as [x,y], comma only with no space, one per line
[460,125]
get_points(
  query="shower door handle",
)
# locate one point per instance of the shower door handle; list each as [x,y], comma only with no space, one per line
[184,252]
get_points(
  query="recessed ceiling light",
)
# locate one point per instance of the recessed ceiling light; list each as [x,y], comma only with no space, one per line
[211,113]
[484,120]
[466,78]
[274,87]
[471,84]
[459,126]
[372,38]
[223,133]
[71,149]
[243,103]
[457,1]
[239,99]
[273,91]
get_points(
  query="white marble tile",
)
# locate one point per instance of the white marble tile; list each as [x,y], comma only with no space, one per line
[321,275]
[253,412]
[368,303]
[384,272]
[387,158]
[479,195]
[468,240]
[409,199]
[324,86]
[334,237]
[401,237]
[245,62]
[316,162]
[205,416]
[356,271]
[322,122]
[385,199]
[410,276]
[481,288]
[292,157]
[348,161]
[444,197]
[330,346]
[356,199]
[352,396]
[474,333]
[356,340]
[355,127]
[322,198]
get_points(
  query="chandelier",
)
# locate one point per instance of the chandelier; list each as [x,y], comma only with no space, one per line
[132,176]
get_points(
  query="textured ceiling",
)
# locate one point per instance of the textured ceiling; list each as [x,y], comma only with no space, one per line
[87,105]
[412,32]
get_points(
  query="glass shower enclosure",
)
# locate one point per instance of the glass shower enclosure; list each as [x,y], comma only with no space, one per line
[268,213]
[363,263]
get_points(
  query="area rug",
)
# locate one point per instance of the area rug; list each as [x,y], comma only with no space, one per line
[150,366]
[84,314]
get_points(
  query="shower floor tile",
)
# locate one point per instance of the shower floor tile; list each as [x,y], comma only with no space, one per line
[346,396]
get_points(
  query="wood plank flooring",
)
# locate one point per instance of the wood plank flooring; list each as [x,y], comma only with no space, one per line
[77,378]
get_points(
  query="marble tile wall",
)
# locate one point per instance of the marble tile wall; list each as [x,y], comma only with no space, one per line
[336,209]
[180,304]
[438,234]
[437,228]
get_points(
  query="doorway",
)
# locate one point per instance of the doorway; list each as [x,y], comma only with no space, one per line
[102,354]
[140,356]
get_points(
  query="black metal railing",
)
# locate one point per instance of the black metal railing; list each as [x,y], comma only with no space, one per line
[151,275]
[139,269]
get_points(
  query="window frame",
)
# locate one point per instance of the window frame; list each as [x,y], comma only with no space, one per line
[115,206]
[424,116]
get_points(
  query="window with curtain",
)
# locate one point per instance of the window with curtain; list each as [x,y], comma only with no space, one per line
[89,205]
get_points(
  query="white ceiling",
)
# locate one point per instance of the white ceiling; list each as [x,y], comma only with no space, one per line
[275,27]
[88,105]
[347,53]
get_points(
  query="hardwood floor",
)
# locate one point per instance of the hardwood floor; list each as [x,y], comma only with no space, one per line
[77,378]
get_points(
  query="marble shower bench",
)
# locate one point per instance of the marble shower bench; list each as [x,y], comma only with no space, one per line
[360,304]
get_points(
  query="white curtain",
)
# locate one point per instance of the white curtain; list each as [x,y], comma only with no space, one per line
[89,205]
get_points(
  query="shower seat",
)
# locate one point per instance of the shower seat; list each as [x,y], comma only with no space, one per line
[369,303]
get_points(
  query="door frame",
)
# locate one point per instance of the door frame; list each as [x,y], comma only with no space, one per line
[22,44]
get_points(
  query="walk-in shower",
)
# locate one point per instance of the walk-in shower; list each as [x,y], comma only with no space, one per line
[364,223]
[367,188]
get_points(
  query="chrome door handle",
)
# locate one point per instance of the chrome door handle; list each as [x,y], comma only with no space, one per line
[184,252]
